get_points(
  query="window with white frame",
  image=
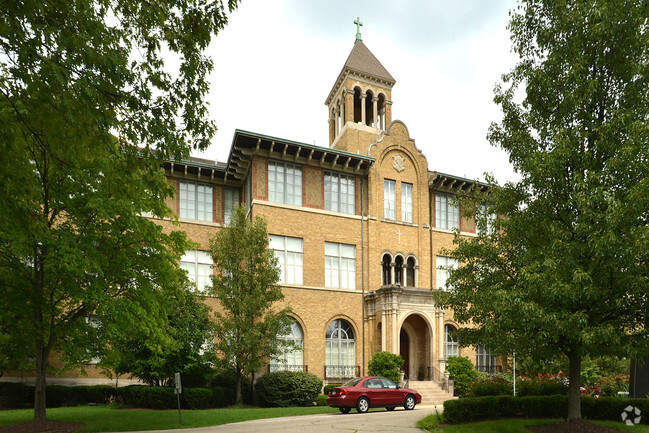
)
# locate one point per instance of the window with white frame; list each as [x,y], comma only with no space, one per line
[443,265]
[231,203]
[340,192]
[450,337]
[195,201]
[447,214]
[340,345]
[389,199]
[289,254]
[485,360]
[292,356]
[406,202]
[489,219]
[284,183]
[198,265]
[340,265]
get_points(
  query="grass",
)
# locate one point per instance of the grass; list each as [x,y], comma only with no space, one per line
[107,418]
[431,424]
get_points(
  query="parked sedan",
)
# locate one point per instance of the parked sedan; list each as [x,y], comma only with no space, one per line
[366,392]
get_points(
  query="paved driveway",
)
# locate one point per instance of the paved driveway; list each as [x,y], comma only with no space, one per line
[400,420]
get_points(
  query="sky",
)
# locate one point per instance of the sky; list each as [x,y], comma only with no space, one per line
[276,61]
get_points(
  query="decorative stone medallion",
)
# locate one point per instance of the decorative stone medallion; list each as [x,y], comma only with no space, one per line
[398,163]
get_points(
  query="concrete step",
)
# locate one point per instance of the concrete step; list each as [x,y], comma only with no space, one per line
[431,393]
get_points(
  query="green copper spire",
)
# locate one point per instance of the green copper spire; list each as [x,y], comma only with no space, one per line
[358,29]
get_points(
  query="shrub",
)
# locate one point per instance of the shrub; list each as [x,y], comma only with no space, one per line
[489,386]
[288,388]
[148,397]
[542,385]
[197,398]
[544,406]
[15,395]
[222,396]
[386,364]
[462,371]
[321,400]
[226,379]
[328,387]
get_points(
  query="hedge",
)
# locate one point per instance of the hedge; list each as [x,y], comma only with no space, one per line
[288,388]
[19,396]
[556,406]
[326,389]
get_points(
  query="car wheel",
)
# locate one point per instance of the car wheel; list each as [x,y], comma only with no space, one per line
[410,402]
[362,405]
[344,409]
[390,408]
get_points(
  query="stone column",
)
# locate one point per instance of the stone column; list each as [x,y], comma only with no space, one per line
[332,128]
[337,118]
[388,113]
[348,98]
[375,100]
[363,96]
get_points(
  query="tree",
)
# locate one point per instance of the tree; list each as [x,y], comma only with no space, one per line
[247,290]
[386,364]
[74,76]
[190,351]
[564,271]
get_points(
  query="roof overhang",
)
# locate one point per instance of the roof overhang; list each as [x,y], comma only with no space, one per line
[453,184]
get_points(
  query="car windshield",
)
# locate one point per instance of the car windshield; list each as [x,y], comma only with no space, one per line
[352,382]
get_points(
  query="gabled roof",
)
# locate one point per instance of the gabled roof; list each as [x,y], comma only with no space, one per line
[362,62]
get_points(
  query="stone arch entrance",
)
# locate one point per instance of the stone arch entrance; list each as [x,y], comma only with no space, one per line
[415,346]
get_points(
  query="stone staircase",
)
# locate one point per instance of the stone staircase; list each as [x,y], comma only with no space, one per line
[431,393]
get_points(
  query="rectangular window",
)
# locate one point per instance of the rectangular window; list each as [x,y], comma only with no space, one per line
[340,193]
[447,214]
[486,360]
[389,199]
[198,265]
[340,266]
[248,191]
[231,203]
[442,274]
[489,219]
[195,201]
[406,202]
[284,183]
[289,254]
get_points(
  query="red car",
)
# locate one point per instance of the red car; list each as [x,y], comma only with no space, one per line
[365,392]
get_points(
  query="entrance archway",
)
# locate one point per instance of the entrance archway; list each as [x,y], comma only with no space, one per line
[415,347]
[404,350]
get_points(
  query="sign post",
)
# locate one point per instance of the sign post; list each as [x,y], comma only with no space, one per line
[178,389]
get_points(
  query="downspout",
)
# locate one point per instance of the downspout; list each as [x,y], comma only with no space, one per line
[363,275]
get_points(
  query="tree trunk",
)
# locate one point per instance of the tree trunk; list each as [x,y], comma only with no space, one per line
[237,387]
[42,360]
[574,389]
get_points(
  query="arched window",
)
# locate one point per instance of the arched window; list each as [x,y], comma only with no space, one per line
[398,271]
[450,337]
[357,105]
[381,111]
[369,108]
[387,269]
[292,356]
[340,350]
[410,272]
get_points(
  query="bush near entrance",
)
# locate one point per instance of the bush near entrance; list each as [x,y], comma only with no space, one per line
[386,364]
[462,372]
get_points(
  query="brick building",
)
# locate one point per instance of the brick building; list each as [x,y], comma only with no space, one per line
[357,227]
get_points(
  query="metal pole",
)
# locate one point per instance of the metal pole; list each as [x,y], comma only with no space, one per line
[514,373]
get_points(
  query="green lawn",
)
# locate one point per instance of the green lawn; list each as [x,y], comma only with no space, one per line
[429,423]
[106,418]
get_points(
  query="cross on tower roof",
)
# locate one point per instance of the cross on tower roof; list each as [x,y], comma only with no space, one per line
[358,28]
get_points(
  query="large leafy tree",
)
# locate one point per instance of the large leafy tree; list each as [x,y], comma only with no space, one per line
[565,270]
[246,287]
[82,83]
[189,352]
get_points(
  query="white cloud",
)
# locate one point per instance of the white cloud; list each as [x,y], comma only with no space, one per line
[276,61]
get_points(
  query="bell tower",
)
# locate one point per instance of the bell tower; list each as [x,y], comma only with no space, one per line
[360,103]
